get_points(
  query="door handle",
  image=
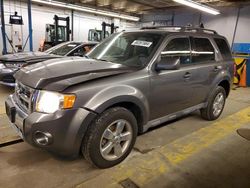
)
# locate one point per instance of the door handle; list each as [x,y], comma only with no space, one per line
[187,75]
[217,68]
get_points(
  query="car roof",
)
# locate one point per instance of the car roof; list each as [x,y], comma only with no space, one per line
[178,29]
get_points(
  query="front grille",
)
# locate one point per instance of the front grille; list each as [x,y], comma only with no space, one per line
[23,96]
[8,79]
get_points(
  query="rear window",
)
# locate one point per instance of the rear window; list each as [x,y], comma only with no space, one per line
[203,50]
[224,48]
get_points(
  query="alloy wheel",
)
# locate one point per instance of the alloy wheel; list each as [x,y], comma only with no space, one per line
[116,139]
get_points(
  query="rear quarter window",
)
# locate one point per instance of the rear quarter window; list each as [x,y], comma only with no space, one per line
[224,48]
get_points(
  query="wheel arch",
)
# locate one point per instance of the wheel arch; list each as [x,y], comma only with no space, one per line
[224,80]
[135,109]
[226,85]
[131,103]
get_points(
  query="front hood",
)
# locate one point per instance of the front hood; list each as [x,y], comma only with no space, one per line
[26,57]
[58,74]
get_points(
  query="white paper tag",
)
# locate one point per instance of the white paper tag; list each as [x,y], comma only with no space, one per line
[141,43]
[71,45]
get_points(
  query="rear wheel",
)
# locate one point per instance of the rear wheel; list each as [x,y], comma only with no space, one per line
[216,103]
[110,138]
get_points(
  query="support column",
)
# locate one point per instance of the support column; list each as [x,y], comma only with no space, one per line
[172,19]
[235,28]
[72,25]
[68,29]
[103,30]
[3,28]
[30,26]
[56,30]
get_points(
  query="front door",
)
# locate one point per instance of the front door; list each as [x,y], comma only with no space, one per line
[172,90]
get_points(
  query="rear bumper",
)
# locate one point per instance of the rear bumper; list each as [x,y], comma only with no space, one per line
[66,128]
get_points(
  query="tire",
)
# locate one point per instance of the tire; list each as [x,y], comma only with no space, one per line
[95,140]
[208,113]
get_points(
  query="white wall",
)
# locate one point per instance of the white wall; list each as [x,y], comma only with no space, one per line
[42,15]
[224,23]
[243,31]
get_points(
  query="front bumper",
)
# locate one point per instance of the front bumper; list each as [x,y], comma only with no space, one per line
[6,77]
[66,127]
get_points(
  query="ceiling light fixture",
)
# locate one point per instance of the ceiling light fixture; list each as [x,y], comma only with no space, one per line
[87,9]
[199,6]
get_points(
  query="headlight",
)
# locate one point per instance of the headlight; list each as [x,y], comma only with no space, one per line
[2,66]
[49,102]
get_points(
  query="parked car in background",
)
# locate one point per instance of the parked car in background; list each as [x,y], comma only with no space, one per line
[130,82]
[11,63]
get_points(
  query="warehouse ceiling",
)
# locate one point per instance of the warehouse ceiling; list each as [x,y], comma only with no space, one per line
[145,6]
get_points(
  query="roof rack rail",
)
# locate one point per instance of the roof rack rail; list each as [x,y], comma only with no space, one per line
[181,28]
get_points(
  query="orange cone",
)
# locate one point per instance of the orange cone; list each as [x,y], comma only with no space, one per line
[243,77]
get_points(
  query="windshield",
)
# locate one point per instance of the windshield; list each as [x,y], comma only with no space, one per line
[132,49]
[62,49]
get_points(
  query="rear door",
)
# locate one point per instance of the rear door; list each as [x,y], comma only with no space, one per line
[204,62]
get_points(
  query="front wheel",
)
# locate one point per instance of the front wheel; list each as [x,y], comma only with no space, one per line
[216,103]
[110,138]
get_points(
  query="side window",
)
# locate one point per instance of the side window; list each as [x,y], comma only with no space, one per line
[178,47]
[77,52]
[81,50]
[223,47]
[203,50]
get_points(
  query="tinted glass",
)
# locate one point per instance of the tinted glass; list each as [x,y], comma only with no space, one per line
[203,50]
[133,49]
[82,50]
[179,47]
[224,49]
[62,49]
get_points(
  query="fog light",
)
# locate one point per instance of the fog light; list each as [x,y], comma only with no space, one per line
[42,138]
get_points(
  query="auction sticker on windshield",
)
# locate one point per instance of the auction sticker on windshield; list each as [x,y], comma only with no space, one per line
[141,43]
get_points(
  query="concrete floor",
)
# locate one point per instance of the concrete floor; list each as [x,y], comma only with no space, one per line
[225,164]
[189,152]
[6,132]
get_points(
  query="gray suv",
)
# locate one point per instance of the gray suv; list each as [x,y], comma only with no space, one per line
[127,84]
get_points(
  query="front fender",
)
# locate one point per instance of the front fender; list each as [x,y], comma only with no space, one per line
[119,94]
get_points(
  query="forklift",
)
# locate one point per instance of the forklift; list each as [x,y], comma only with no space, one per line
[99,35]
[55,33]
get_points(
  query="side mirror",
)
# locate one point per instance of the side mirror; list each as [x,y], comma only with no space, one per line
[168,63]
